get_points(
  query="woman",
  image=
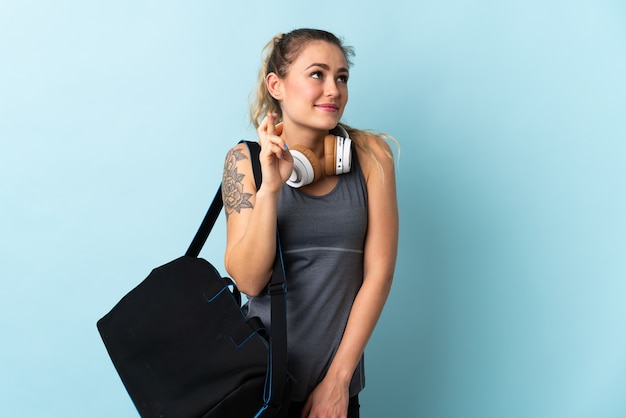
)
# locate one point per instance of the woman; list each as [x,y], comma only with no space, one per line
[338,233]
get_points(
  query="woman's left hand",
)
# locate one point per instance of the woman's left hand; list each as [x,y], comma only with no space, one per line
[328,400]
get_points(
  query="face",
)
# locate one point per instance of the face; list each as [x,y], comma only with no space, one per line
[314,92]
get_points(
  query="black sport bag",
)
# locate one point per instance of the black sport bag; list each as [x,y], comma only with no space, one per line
[184,348]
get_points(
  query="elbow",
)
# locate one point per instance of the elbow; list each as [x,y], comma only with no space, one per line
[249,280]
[250,288]
[248,283]
[381,283]
[250,292]
[385,284]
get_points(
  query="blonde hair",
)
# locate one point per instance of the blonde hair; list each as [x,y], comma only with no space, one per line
[278,55]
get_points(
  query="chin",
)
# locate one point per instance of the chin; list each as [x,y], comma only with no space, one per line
[330,123]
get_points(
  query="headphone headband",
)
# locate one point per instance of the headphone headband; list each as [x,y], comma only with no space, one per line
[339,131]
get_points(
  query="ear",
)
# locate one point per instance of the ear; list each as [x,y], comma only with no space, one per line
[274,86]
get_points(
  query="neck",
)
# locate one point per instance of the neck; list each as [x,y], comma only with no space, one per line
[313,139]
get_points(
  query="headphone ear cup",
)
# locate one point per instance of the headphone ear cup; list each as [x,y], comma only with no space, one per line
[330,155]
[306,167]
[337,155]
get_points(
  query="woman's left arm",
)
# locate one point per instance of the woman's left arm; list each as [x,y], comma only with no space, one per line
[330,397]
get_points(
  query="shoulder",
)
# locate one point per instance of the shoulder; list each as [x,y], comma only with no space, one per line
[237,153]
[239,158]
[374,153]
[237,179]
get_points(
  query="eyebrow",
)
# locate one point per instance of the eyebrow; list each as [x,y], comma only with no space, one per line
[326,67]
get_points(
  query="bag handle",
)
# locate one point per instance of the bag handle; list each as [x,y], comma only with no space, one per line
[276,384]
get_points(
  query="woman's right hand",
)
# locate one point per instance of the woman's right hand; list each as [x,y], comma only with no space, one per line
[276,161]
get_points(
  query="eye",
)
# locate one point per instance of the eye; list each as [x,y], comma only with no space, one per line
[317,75]
[343,78]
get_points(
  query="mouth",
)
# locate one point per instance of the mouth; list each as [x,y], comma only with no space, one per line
[327,107]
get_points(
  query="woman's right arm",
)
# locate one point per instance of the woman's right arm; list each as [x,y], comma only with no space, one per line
[251,214]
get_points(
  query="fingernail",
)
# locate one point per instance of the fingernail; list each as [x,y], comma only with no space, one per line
[286,147]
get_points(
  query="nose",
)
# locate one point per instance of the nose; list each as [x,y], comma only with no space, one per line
[331,88]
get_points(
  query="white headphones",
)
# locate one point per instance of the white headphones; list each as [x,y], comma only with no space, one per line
[307,167]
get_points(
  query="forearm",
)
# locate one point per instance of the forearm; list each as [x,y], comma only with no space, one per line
[364,315]
[249,260]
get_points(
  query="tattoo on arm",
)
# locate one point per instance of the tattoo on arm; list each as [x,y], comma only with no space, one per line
[232,187]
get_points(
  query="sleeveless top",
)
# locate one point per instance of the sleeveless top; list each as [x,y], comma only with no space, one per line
[322,238]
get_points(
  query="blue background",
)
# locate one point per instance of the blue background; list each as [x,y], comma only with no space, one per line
[115,117]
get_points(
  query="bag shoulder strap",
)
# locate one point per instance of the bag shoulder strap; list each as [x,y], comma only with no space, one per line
[276,385]
[277,289]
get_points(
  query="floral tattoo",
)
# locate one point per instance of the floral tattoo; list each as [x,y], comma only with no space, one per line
[232,188]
